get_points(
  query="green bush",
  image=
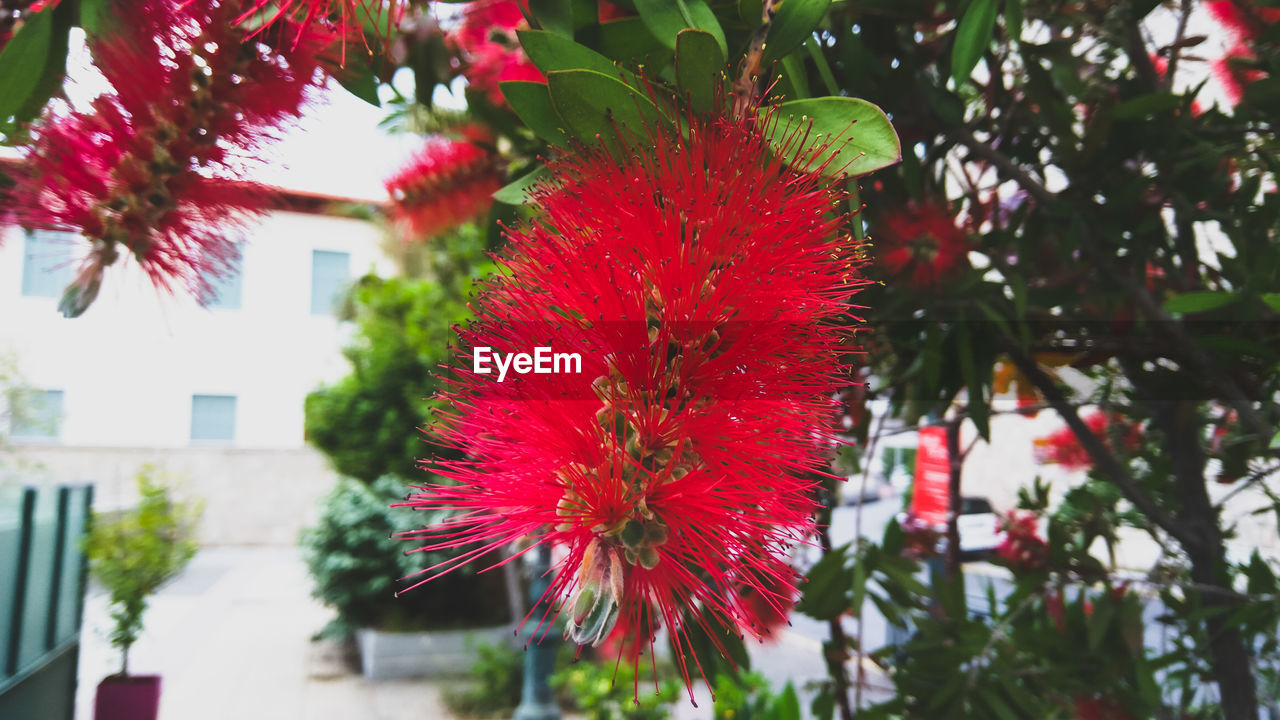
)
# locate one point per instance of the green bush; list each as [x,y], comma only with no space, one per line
[355,562]
[137,552]
[607,690]
[497,682]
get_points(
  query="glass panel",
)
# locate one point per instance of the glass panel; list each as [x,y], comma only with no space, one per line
[213,417]
[227,289]
[36,610]
[10,535]
[330,272]
[46,263]
[36,414]
[70,590]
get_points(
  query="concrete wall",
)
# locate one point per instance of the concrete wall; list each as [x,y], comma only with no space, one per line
[251,496]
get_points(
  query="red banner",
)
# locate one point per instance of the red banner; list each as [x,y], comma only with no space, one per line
[931,497]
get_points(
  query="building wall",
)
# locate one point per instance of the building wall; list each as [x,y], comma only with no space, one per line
[128,369]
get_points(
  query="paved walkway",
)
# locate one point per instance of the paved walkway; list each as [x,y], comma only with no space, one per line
[231,638]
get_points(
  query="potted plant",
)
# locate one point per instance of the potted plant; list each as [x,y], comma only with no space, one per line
[355,561]
[132,554]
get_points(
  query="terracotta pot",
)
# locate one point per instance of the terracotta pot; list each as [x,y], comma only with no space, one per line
[131,697]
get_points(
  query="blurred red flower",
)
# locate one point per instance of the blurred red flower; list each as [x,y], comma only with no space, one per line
[445,184]
[919,244]
[1022,547]
[490,50]
[1062,447]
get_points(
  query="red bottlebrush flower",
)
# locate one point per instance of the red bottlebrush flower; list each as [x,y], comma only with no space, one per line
[147,170]
[702,283]
[490,50]
[1235,71]
[447,183]
[766,604]
[1062,447]
[1022,548]
[1245,23]
[919,244]
[348,18]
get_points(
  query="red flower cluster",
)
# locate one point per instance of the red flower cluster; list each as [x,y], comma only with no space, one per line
[704,283]
[447,183]
[146,170]
[490,51]
[1245,23]
[1022,547]
[920,245]
[1062,447]
[349,18]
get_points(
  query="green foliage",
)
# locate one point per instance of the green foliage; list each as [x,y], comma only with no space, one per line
[364,423]
[748,697]
[609,690]
[497,679]
[136,552]
[355,560]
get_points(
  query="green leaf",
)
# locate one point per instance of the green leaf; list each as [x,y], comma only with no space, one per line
[591,103]
[972,38]
[555,16]
[357,77]
[666,18]
[792,25]
[1275,442]
[825,595]
[517,191]
[861,136]
[93,13]
[1099,622]
[698,65]
[1272,300]
[621,39]
[1013,12]
[1146,105]
[1193,302]
[793,81]
[551,52]
[23,62]
[786,706]
[531,102]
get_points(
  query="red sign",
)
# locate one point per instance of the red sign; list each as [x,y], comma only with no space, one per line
[931,497]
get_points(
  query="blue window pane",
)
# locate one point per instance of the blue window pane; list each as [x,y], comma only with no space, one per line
[330,272]
[47,263]
[35,608]
[226,289]
[36,414]
[213,417]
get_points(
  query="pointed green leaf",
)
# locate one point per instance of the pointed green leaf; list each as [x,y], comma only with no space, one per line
[22,62]
[591,103]
[531,102]
[551,52]
[972,38]
[861,136]
[698,65]
[792,25]
[1193,302]
[555,16]
[1272,300]
[517,192]
[666,18]
[1013,12]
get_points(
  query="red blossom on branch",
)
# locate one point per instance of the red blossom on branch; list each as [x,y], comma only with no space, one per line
[445,184]
[919,245]
[148,170]
[1022,547]
[705,284]
[1062,447]
[490,51]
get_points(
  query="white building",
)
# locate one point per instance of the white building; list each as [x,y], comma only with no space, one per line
[213,394]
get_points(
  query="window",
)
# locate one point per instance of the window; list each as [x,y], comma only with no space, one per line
[35,414]
[46,263]
[213,417]
[330,272]
[225,290]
